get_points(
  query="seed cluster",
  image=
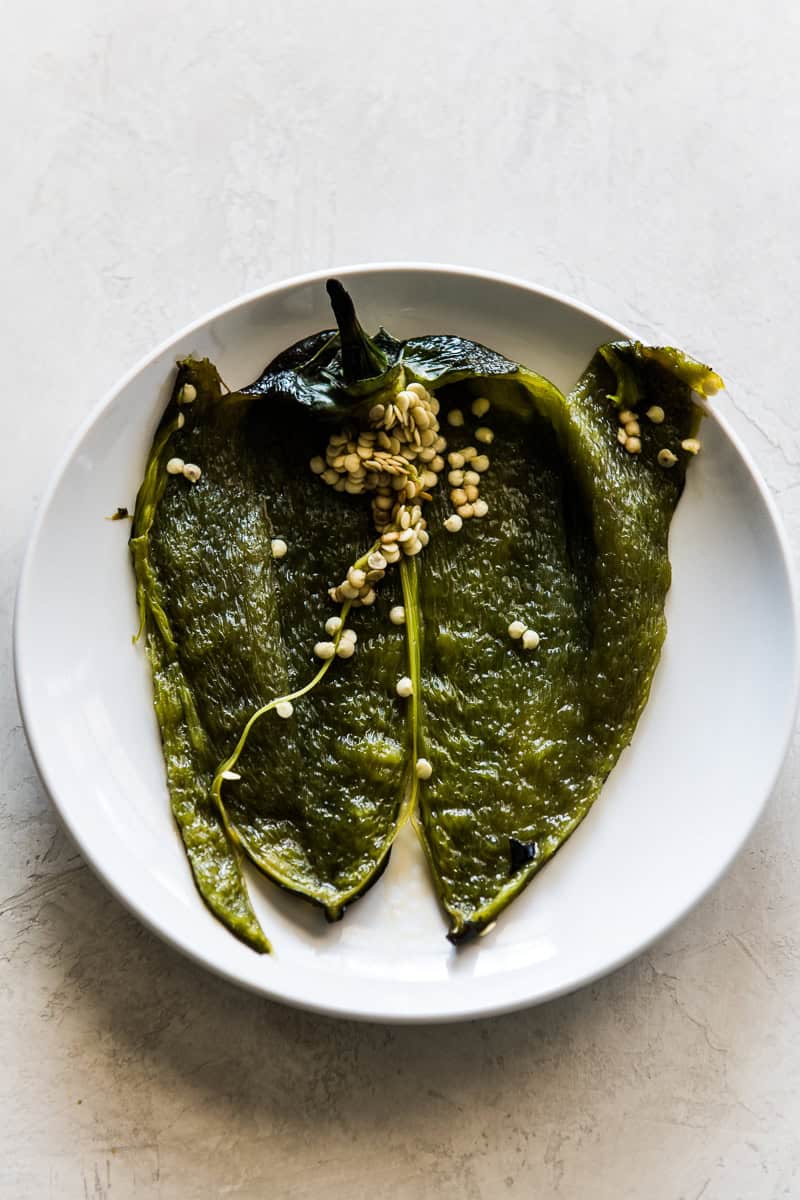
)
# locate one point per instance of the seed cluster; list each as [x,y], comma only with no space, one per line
[629,435]
[398,460]
[346,647]
[519,631]
[464,476]
[190,471]
[176,466]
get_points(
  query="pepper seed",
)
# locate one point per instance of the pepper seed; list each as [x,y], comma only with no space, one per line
[423,768]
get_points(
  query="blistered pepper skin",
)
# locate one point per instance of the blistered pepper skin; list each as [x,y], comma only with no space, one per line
[573,545]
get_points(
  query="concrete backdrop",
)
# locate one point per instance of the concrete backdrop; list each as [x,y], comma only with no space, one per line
[161,157]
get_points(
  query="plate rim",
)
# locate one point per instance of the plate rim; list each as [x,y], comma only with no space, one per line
[336,1009]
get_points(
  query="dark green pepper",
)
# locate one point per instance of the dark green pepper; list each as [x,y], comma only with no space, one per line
[499,752]
[191,759]
[322,791]
[574,546]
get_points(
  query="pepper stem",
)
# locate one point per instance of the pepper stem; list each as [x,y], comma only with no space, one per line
[361,358]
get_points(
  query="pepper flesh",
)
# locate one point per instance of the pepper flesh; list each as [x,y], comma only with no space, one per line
[575,545]
[189,756]
[321,794]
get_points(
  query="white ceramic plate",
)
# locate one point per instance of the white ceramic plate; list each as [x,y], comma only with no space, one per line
[673,814]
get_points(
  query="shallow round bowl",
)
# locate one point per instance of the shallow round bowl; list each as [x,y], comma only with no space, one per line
[670,819]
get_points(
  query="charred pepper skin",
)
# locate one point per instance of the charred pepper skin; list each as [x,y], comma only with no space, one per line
[572,538]
[574,545]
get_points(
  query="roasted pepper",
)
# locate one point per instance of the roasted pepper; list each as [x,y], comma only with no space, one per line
[508,509]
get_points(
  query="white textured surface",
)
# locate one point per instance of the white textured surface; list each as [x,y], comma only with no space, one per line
[159,159]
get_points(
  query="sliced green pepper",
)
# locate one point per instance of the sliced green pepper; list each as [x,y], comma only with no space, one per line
[319,794]
[574,546]
[190,758]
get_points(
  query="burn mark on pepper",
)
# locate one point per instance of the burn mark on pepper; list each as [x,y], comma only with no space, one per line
[521,853]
